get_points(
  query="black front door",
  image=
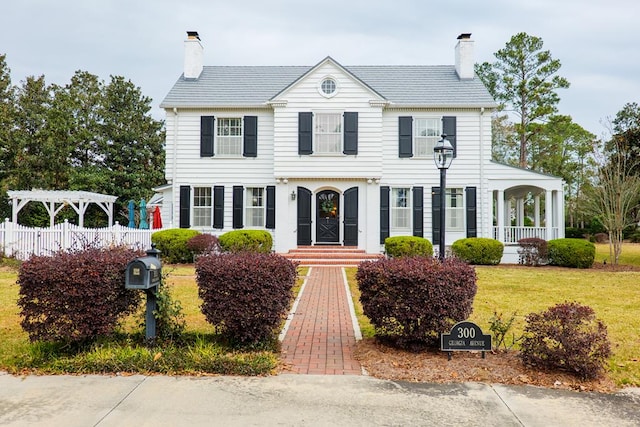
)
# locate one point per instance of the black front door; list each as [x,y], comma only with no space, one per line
[328,217]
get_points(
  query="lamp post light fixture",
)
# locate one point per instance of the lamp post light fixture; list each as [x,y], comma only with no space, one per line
[442,156]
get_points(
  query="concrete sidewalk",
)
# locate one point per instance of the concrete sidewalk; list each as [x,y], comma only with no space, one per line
[298,400]
[319,339]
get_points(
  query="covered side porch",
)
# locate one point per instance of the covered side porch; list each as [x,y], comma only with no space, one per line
[525,204]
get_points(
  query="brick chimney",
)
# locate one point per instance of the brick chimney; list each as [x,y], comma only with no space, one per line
[193,55]
[464,57]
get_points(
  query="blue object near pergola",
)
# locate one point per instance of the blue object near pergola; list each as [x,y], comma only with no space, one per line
[55,200]
[143,215]
[132,214]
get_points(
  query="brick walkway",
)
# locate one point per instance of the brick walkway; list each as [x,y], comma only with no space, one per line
[320,338]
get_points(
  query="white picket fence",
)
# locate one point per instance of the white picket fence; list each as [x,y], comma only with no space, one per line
[22,242]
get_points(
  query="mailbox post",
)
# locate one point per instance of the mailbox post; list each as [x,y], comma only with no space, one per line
[146,273]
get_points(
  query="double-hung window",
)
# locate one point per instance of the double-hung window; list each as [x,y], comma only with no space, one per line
[202,207]
[455,209]
[328,133]
[255,207]
[427,132]
[229,137]
[401,209]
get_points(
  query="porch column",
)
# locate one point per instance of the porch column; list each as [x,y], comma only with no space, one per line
[536,210]
[559,209]
[520,211]
[548,214]
[500,209]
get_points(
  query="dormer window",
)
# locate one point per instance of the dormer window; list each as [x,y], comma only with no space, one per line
[328,87]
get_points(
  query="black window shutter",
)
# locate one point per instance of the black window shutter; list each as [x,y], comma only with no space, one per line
[449,129]
[384,213]
[271,207]
[250,146]
[350,133]
[472,221]
[435,215]
[305,133]
[304,216]
[418,211]
[218,206]
[238,195]
[405,136]
[351,217]
[185,206]
[207,131]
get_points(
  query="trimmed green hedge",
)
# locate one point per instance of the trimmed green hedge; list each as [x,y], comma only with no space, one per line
[399,246]
[574,253]
[173,244]
[246,241]
[478,250]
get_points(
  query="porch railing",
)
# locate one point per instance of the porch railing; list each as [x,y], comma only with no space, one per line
[513,234]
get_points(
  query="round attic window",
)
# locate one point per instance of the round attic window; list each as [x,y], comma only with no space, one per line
[328,87]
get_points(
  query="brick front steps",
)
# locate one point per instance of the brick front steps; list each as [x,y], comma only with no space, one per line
[330,255]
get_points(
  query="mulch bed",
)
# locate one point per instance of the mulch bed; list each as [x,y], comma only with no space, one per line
[503,367]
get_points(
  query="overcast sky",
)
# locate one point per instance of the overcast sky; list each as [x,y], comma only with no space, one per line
[596,41]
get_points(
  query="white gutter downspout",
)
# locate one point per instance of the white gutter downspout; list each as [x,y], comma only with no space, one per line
[482,195]
[174,166]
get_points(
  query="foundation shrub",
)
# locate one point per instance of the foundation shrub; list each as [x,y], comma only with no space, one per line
[173,244]
[478,250]
[203,244]
[245,295]
[532,252]
[568,337]
[574,253]
[246,240]
[75,296]
[411,300]
[399,246]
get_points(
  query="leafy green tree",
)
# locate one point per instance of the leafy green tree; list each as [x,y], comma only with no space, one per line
[38,148]
[132,146]
[504,140]
[614,196]
[626,129]
[88,135]
[7,117]
[524,81]
[565,149]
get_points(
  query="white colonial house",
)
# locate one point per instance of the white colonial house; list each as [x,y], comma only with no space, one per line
[343,155]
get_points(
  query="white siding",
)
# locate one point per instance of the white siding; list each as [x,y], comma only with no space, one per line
[465,170]
[376,164]
[352,96]
[196,171]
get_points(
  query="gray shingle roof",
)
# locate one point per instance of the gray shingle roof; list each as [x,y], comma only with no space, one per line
[419,85]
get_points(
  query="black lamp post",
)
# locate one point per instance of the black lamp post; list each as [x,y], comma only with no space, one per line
[442,156]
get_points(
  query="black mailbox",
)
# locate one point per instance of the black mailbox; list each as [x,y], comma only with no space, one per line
[143,273]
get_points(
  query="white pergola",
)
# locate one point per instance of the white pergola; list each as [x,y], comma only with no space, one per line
[55,200]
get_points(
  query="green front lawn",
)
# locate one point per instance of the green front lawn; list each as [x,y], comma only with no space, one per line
[615,297]
[201,350]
